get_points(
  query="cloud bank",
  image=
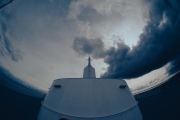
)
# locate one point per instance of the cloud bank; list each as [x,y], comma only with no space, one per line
[157,45]
[6,35]
[94,47]
[38,38]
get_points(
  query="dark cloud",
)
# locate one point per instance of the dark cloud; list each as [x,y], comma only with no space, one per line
[174,66]
[174,4]
[84,46]
[91,16]
[6,37]
[157,45]
[3,3]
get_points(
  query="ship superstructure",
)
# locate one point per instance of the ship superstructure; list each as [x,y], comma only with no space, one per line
[89,98]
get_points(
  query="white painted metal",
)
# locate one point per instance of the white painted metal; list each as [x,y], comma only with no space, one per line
[131,114]
[89,98]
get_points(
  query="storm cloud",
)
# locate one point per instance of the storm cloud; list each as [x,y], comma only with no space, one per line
[157,45]
[38,38]
[83,46]
[174,65]
[6,38]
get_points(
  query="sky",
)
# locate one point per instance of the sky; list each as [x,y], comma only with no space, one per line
[44,40]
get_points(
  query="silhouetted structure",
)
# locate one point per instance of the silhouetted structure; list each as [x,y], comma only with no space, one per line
[89,98]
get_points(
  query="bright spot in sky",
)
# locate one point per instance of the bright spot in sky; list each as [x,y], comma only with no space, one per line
[153,76]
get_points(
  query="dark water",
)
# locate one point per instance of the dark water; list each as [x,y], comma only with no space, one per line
[16,106]
[164,104]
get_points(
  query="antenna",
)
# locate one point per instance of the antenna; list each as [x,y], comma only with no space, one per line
[89,60]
